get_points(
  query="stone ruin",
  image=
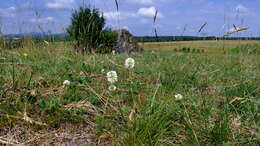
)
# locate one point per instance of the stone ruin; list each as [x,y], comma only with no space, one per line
[126,43]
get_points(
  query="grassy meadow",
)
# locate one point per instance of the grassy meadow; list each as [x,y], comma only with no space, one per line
[219,81]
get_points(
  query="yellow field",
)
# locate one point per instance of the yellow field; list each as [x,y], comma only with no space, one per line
[208,46]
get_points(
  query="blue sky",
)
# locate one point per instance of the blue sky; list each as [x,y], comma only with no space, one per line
[25,16]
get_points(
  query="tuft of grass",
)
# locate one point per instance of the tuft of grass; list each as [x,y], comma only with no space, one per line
[246,49]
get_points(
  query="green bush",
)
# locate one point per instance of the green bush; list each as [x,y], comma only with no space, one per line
[108,41]
[87,30]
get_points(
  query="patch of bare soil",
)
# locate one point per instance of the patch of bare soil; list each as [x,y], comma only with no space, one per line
[66,134]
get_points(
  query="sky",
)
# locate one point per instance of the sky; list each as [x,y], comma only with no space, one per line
[175,17]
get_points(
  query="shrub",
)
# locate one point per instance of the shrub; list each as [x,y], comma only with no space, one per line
[86,29]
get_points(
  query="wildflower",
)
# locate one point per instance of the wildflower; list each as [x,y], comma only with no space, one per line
[112,77]
[66,83]
[178,96]
[47,43]
[81,73]
[102,71]
[113,52]
[236,123]
[112,88]
[129,63]
[25,54]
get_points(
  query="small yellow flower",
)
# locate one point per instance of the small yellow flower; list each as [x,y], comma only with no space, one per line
[25,54]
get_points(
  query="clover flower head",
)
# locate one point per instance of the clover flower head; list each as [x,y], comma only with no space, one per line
[113,52]
[129,63]
[66,82]
[102,71]
[47,43]
[112,88]
[81,73]
[112,77]
[178,96]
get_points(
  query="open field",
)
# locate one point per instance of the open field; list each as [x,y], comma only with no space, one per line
[220,88]
[209,46]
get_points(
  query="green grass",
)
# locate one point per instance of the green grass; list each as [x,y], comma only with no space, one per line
[218,89]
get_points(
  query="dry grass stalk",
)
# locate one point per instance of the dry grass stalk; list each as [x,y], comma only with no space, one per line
[101,98]
[30,120]
[25,118]
[156,90]
[82,104]
[9,142]
[131,116]
[236,31]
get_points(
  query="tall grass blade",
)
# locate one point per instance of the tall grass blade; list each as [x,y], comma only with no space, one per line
[184,29]
[156,34]
[155,16]
[117,5]
[203,26]
[234,26]
[236,31]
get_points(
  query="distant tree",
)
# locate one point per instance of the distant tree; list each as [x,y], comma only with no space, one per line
[86,29]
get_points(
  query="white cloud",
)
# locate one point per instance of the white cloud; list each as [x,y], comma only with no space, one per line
[241,8]
[142,2]
[126,27]
[148,12]
[8,12]
[151,2]
[124,15]
[11,8]
[43,20]
[112,15]
[60,4]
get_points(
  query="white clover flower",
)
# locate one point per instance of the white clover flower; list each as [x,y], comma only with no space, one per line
[113,52]
[102,71]
[112,88]
[47,43]
[178,96]
[112,77]
[129,63]
[66,83]
[81,73]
